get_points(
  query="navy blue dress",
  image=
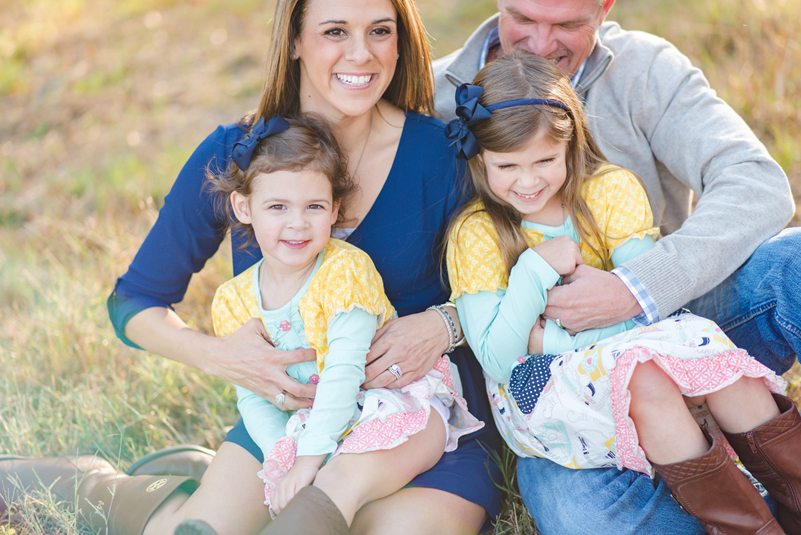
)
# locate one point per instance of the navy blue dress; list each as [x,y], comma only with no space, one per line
[402,233]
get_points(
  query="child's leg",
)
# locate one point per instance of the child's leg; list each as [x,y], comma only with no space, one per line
[694,472]
[741,406]
[667,431]
[353,479]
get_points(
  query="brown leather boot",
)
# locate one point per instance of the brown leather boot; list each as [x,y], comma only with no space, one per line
[310,512]
[772,453]
[104,497]
[713,490]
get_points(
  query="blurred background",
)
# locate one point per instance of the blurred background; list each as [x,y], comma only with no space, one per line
[101,102]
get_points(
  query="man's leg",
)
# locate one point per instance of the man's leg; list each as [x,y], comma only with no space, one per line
[599,502]
[759,305]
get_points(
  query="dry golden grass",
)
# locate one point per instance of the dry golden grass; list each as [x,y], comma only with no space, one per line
[101,101]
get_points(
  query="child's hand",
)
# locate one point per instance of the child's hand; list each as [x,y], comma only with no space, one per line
[561,253]
[535,337]
[300,475]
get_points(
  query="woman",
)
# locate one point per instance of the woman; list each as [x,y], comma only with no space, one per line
[359,64]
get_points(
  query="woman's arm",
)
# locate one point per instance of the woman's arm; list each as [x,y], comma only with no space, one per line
[245,358]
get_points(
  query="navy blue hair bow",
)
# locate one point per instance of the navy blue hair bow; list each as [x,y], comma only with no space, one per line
[470,112]
[243,149]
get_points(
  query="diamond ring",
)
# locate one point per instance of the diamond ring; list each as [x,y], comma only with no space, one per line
[280,398]
[395,370]
[558,323]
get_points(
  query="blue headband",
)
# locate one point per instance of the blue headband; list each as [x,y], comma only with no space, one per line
[243,149]
[470,112]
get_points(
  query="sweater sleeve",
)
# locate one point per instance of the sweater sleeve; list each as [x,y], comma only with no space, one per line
[743,195]
[186,234]
[349,337]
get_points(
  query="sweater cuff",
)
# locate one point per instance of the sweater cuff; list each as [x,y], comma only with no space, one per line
[663,278]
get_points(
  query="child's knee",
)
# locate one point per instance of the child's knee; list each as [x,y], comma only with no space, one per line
[650,386]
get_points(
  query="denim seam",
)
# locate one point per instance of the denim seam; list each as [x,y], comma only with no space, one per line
[743,319]
[788,325]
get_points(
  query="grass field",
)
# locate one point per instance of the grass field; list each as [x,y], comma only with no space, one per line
[102,101]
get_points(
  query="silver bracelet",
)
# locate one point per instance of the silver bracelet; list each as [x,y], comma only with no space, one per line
[461,341]
[450,326]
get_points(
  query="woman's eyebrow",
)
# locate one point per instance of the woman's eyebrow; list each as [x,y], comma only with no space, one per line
[379,21]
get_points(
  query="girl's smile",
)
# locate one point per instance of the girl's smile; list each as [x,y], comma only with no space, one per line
[530,178]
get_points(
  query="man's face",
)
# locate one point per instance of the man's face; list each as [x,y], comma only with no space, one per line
[559,30]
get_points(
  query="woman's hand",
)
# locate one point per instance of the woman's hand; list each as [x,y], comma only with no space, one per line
[300,475]
[561,253]
[413,342]
[247,358]
[536,336]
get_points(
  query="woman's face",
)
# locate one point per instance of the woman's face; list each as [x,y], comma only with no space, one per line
[348,51]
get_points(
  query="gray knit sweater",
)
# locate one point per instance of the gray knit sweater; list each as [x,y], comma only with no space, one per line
[652,112]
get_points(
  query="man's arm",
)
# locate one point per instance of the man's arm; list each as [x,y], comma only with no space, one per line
[654,113]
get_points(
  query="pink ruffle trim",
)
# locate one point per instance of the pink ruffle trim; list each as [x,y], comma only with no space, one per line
[277,464]
[384,435]
[694,377]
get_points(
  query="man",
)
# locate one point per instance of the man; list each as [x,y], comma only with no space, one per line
[652,112]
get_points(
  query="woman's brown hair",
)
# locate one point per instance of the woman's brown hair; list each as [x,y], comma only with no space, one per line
[411,87]
[307,144]
[522,75]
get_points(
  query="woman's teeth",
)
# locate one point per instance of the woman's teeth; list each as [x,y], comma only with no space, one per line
[354,80]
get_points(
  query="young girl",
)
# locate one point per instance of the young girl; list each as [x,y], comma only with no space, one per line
[546,201]
[310,290]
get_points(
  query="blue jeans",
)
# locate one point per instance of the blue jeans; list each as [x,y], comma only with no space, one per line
[759,308]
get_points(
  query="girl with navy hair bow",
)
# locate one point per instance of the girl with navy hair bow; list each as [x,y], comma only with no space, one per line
[625,396]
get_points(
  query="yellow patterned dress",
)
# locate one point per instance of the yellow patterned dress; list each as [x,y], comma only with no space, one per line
[344,291]
[572,405]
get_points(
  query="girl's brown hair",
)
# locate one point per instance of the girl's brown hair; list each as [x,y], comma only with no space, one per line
[411,87]
[307,144]
[522,75]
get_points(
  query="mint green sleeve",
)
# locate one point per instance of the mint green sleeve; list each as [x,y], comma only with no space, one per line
[349,338]
[265,423]
[497,324]
[556,340]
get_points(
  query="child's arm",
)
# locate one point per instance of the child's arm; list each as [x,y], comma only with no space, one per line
[349,337]
[556,340]
[497,324]
[265,422]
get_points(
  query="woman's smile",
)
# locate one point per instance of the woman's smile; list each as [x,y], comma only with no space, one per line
[348,52]
[355,80]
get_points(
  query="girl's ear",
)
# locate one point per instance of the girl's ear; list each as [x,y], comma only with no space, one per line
[241,207]
[335,213]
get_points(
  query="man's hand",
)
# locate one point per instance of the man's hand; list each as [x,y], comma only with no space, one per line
[247,358]
[561,253]
[413,342]
[590,298]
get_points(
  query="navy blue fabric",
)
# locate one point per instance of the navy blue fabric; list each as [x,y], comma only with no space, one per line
[528,380]
[402,233]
